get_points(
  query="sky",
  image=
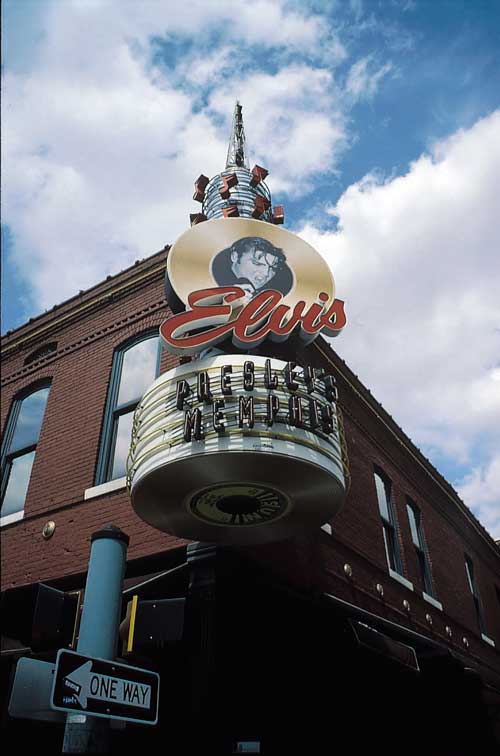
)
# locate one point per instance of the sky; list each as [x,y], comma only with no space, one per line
[379,122]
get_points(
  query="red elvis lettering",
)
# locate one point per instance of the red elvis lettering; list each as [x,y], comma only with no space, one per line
[211,318]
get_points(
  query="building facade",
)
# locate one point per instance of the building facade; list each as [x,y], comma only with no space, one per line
[381,628]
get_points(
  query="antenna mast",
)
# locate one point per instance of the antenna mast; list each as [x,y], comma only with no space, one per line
[236,156]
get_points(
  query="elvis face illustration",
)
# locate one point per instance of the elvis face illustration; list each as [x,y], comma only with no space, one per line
[256,260]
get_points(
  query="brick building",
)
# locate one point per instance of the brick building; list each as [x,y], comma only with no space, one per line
[381,628]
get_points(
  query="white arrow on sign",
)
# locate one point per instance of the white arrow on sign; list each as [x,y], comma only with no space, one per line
[85,684]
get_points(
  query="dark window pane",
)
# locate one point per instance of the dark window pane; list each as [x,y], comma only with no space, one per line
[17,485]
[382,496]
[138,370]
[424,572]
[470,576]
[480,616]
[390,548]
[122,445]
[29,420]
[413,526]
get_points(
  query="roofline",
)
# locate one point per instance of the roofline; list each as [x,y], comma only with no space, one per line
[322,346]
[54,318]
[391,425]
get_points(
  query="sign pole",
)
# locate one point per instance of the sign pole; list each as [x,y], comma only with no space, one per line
[99,629]
[199,635]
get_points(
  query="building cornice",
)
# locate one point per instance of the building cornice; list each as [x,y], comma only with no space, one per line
[135,277]
[34,367]
[402,439]
[17,339]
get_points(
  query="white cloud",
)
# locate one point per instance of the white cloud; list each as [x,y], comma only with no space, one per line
[293,120]
[210,68]
[416,259]
[94,178]
[482,486]
[364,78]
[101,146]
[73,23]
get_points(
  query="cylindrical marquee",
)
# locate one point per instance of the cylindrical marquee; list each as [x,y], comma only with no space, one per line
[237,449]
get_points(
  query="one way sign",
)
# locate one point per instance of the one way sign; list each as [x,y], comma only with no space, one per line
[104,688]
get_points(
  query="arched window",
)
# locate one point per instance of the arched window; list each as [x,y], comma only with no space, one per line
[42,351]
[18,449]
[135,366]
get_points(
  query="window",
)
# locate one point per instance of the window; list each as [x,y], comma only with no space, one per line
[42,351]
[135,366]
[386,507]
[469,569]
[417,535]
[18,448]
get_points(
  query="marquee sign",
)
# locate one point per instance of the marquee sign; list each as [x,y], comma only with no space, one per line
[246,280]
[237,450]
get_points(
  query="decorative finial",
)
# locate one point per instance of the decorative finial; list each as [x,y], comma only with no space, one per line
[236,157]
[236,192]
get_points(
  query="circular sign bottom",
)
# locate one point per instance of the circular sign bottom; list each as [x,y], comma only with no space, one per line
[239,505]
[285,497]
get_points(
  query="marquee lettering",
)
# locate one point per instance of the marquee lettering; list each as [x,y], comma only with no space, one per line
[295,411]
[290,375]
[203,387]
[300,411]
[218,418]
[314,413]
[273,407]
[309,375]
[270,381]
[183,391]
[248,375]
[246,411]
[225,380]
[193,425]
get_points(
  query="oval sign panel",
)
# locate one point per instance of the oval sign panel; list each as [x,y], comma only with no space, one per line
[246,280]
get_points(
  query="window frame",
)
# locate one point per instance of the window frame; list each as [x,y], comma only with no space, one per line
[389,526]
[113,411]
[471,581]
[7,456]
[420,547]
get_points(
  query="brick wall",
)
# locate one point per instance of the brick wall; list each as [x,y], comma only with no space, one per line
[88,329]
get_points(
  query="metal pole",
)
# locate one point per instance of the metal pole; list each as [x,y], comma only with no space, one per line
[98,635]
[199,637]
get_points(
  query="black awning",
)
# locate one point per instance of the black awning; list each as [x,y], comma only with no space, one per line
[428,651]
[13,648]
[380,643]
[419,642]
[157,585]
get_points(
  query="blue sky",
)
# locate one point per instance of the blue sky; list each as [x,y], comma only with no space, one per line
[380,125]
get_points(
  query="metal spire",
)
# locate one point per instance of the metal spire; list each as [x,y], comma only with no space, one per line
[236,192]
[236,156]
